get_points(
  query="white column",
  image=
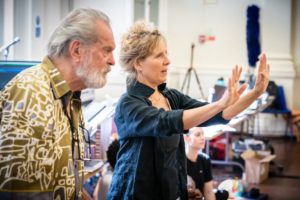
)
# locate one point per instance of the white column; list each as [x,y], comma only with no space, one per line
[147,10]
[276,17]
[8,23]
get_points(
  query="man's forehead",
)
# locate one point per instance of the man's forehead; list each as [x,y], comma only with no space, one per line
[105,35]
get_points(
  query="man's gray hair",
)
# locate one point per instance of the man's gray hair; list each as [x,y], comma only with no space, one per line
[77,25]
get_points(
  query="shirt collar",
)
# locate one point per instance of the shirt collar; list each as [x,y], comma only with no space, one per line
[59,85]
[141,89]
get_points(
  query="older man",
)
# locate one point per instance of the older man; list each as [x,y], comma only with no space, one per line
[41,124]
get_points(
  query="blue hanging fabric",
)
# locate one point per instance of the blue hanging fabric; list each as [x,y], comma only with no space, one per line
[253,35]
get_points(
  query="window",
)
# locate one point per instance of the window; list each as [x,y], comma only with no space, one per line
[146,10]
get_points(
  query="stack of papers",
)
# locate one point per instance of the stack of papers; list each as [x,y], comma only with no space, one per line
[92,165]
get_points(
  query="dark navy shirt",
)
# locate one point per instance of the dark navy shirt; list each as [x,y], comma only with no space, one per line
[151,162]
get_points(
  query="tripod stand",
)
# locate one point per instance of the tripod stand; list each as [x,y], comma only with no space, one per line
[187,78]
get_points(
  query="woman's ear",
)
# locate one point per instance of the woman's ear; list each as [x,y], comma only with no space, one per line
[137,65]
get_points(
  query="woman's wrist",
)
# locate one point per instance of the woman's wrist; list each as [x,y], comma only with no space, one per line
[254,93]
[220,105]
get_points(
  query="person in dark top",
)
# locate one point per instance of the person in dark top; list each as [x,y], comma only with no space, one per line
[152,118]
[199,164]
[112,152]
[191,186]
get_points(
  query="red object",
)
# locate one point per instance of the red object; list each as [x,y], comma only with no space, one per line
[211,38]
[217,148]
[204,38]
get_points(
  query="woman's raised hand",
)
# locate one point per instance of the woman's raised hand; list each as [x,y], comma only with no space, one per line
[234,91]
[262,77]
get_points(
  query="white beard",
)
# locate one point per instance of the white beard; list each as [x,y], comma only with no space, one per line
[91,79]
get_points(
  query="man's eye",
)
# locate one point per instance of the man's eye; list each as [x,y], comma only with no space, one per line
[107,50]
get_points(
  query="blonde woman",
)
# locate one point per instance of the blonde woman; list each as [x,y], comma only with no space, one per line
[152,118]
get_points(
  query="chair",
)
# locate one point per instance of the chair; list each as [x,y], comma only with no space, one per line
[282,109]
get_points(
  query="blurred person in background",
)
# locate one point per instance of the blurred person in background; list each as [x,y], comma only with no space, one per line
[199,165]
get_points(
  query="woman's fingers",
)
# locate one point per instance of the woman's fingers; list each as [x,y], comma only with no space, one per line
[236,74]
[263,74]
[229,88]
[242,88]
[240,72]
[235,77]
[259,78]
[262,63]
[232,76]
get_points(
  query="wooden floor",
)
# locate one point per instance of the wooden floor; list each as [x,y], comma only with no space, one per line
[287,184]
[284,185]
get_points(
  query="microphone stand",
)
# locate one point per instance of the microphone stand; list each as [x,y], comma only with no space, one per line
[187,78]
[6,53]
[5,48]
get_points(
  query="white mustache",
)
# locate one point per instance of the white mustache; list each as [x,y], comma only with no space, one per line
[108,69]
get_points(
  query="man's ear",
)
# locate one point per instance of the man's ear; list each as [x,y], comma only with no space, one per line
[75,50]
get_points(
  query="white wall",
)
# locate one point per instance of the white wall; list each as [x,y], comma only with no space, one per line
[26,11]
[226,20]
[23,29]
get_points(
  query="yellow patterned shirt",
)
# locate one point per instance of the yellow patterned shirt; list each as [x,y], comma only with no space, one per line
[36,137]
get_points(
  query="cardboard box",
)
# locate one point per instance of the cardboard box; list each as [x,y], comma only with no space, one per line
[257,165]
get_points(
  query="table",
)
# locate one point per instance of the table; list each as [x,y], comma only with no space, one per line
[91,167]
[212,132]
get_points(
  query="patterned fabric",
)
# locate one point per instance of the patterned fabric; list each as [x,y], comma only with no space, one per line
[36,137]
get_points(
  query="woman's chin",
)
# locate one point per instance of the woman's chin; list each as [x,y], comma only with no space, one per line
[163,80]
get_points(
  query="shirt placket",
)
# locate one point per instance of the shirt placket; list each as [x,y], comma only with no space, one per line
[75,109]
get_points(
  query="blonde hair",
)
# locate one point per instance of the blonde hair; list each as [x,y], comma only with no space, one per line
[137,44]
